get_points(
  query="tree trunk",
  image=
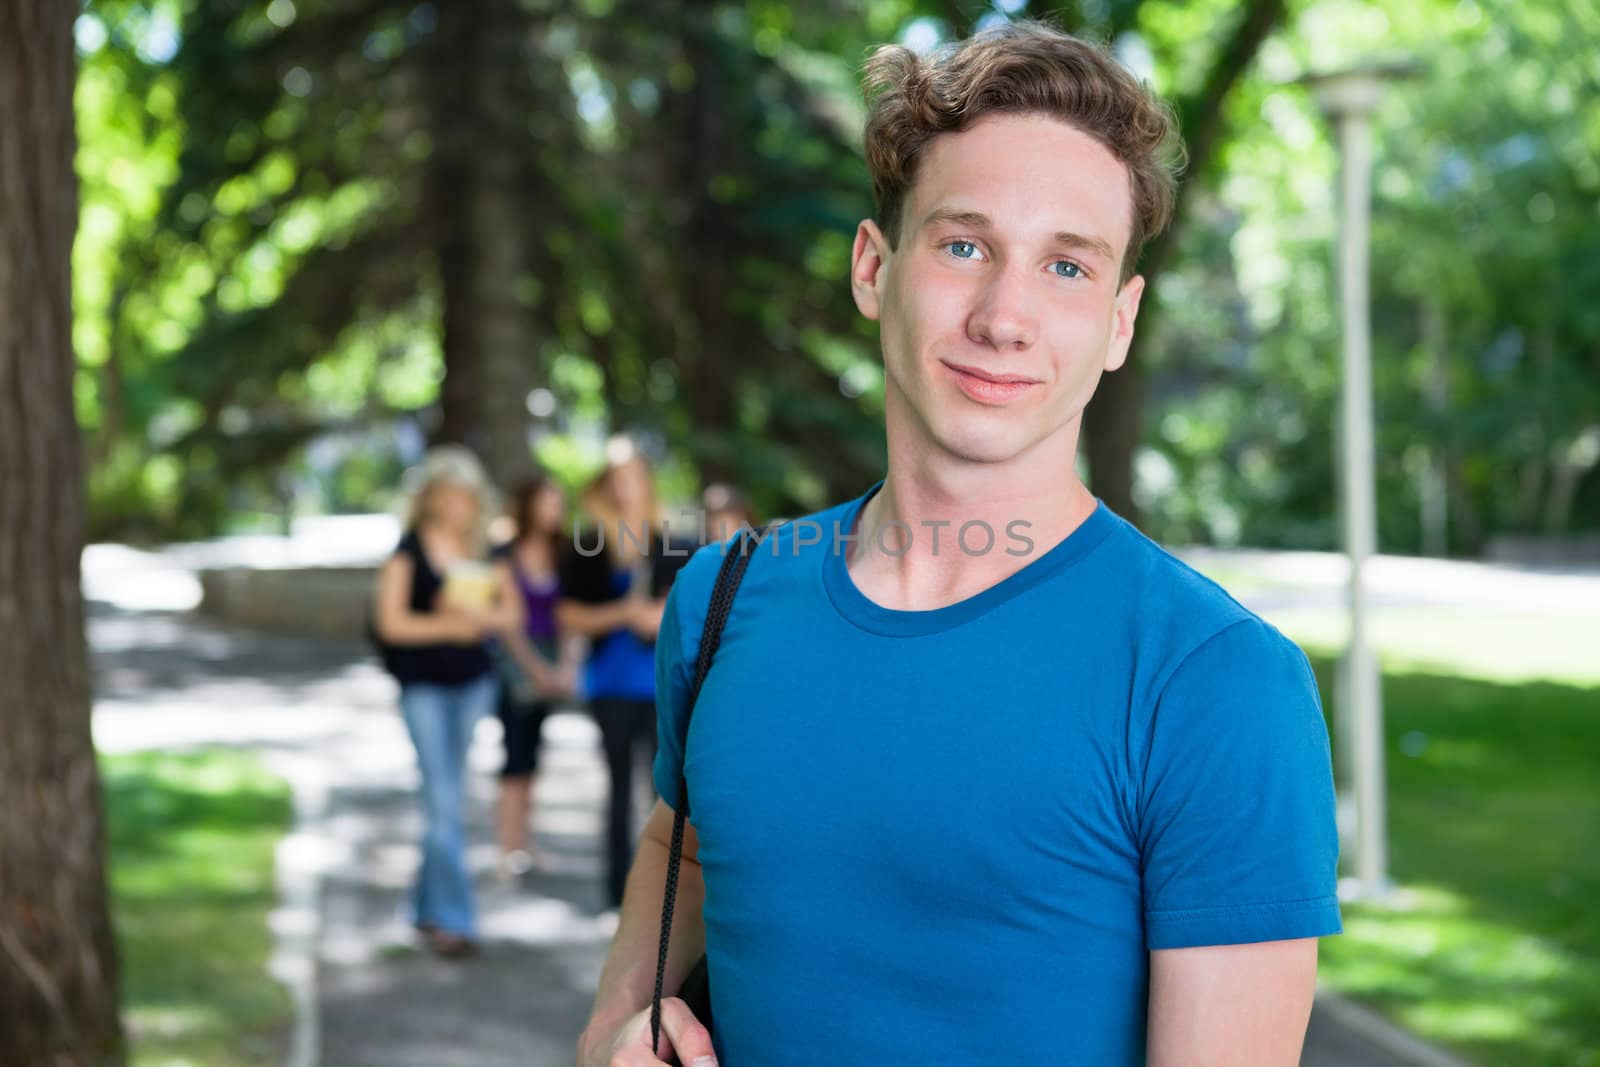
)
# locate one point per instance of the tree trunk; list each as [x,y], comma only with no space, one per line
[709,337]
[476,207]
[1114,421]
[1113,425]
[58,975]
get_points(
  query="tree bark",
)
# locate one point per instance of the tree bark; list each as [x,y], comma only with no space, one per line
[708,335]
[476,206]
[58,975]
[1113,422]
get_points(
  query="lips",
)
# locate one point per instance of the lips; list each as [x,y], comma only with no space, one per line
[987,387]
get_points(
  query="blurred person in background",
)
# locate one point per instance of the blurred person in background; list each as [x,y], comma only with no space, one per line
[614,581]
[726,511]
[436,605]
[537,667]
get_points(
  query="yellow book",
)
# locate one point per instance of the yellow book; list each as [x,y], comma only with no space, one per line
[470,584]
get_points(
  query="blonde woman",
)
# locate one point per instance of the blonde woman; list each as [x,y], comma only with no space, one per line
[436,604]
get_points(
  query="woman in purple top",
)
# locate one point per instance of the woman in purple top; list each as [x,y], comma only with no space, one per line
[539,667]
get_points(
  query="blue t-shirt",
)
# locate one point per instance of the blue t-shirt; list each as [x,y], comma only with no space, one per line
[952,836]
[621,664]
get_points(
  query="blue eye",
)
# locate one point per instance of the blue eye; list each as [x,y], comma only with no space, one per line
[963,249]
[1062,267]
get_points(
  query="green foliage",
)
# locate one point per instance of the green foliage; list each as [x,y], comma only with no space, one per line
[263,239]
[192,840]
[1486,352]
[273,250]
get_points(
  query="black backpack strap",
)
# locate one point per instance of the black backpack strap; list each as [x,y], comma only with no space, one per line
[734,564]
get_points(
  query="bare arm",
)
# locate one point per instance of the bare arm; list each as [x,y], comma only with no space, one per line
[538,669]
[397,624]
[594,620]
[504,616]
[646,621]
[572,648]
[619,1027]
[1231,1005]
[508,600]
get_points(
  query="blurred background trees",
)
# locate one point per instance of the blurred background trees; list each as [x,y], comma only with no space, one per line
[318,233]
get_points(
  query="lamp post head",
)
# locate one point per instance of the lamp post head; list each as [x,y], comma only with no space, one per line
[1356,90]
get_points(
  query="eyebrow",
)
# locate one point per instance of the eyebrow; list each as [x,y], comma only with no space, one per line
[978,220]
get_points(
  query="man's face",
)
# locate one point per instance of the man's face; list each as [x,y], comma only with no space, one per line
[1001,308]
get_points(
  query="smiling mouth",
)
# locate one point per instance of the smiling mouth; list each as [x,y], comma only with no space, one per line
[988,388]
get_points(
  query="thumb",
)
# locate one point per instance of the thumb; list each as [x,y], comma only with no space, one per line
[686,1035]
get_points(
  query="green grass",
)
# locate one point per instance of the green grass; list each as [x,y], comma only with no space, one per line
[192,842]
[1493,946]
[1498,646]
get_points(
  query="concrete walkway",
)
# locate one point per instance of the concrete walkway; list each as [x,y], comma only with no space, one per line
[323,714]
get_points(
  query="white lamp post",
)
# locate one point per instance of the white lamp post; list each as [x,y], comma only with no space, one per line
[1348,97]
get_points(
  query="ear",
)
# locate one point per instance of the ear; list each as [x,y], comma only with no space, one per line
[1123,312]
[867,261]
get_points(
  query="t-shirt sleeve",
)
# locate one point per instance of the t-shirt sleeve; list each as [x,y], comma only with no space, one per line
[424,589]
[677,645]
[1236,821]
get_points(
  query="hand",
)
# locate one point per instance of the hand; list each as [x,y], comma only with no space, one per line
[645,618]
[540,675]
[548,678]
[465,627]
[555,680]
[566,680]
[682,1036]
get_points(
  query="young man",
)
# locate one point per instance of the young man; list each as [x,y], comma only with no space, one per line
[982,775]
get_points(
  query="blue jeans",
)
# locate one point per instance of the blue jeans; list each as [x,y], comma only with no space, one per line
[441,719]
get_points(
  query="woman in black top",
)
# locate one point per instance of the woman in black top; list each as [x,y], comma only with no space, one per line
[436,605]
[614,583]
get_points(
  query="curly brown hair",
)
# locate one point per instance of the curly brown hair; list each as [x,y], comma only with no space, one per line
[1021,67]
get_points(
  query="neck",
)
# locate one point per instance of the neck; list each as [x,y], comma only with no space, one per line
[439,531]
[445,543]
[537,544]
[628,536]
[969,522]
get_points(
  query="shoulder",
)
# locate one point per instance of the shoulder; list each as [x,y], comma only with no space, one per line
[1220,665]
[1182,622]
[783,563]
[779,550]
[409,549]
[586,551]
[1166,584]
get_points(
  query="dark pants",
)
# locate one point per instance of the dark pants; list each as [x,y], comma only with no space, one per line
[624,725]
[520,725]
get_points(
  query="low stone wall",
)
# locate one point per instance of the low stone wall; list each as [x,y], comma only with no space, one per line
[1579,550]
[334,601]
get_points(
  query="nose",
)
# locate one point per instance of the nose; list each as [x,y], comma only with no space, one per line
[1005,316]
